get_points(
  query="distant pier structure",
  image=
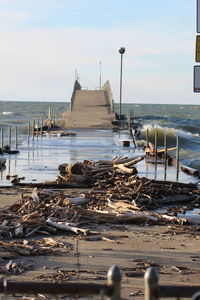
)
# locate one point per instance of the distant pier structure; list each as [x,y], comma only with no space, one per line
[90,108]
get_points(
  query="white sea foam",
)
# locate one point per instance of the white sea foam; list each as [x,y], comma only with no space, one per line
[8,113]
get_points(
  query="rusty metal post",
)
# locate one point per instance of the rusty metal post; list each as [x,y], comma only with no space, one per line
[177,157]
[150,283]
[114,279]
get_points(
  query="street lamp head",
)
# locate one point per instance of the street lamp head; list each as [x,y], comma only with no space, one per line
[122,50]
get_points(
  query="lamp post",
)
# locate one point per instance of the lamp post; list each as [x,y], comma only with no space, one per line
[121,51]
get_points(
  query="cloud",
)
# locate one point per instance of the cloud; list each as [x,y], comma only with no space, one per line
[12,19]
[40,64]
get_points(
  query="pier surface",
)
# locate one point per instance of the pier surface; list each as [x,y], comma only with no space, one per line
[90,109]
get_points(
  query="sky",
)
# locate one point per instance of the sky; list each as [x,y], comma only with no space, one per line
[43,44]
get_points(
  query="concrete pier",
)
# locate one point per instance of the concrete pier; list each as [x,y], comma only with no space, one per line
[90,108]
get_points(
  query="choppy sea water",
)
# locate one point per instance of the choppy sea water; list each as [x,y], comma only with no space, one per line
[40,159]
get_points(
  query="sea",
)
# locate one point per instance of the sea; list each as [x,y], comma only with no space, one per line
[39,157]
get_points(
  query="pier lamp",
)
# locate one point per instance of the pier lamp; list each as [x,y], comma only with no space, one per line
[121,51]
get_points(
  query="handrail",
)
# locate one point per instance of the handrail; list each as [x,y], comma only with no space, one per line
[111,289]
[153,290]
[59,288]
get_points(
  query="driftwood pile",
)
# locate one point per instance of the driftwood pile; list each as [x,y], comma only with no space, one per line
[102,173]
[117,195]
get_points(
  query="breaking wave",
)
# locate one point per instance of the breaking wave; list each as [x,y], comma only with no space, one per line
[189,143]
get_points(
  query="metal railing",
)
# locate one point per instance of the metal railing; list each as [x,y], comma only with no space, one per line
[111,289]
[153,290]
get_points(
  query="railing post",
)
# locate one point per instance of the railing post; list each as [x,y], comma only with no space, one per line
[150,283]
[41,129]
[147,138]
[196,296]
[177,158]
[33,129]
[16,144]
[165,156]
[156,152]
[37,132]
[29,130]
[9,137]
[2,138]
[114,279]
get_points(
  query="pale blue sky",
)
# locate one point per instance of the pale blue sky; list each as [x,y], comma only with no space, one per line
[43,42]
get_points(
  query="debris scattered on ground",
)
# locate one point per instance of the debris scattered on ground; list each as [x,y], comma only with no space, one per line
[117,196]
[69,275]
[45,246]
[15,268]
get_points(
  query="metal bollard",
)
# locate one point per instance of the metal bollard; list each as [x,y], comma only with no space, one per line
[150,283]
[114,279]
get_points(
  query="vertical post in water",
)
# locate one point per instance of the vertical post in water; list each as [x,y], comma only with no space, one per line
[54,118]
[156,151]
[49,114]
[52,122]
[33,129]
[177,157]
[9,137]
[147,138]
[165,156]
[41,127]
[129,125]
[29,130]
[16,137]
[37,132]
[2,138]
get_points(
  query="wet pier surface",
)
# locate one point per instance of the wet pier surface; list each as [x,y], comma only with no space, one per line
[39,161]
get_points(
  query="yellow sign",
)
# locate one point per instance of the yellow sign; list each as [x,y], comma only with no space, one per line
[197,48]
